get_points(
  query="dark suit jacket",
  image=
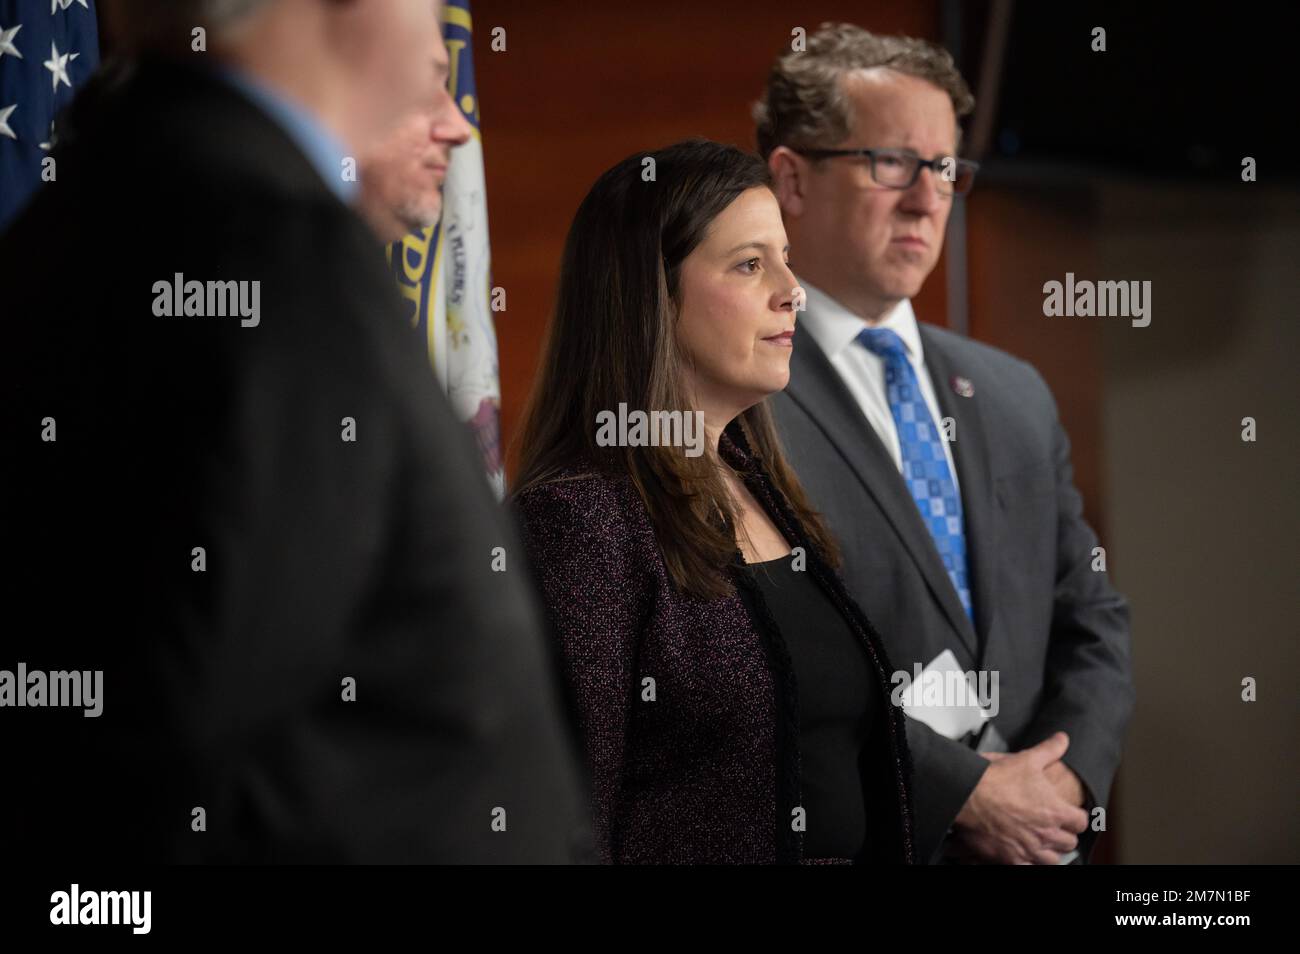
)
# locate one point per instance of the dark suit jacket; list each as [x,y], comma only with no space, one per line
[707,772]
[1054,629]
[326,560]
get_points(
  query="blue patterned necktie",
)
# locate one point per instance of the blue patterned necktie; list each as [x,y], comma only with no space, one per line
[925,466]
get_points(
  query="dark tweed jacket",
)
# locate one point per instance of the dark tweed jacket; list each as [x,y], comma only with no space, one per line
[704,768]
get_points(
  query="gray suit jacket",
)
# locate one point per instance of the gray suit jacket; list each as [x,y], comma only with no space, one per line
[1053,628]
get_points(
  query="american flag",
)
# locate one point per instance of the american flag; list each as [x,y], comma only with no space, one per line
[48,48]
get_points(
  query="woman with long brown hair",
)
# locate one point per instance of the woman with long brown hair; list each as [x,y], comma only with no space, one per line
[732,700]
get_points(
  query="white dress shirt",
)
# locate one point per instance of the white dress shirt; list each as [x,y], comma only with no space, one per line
[835,329]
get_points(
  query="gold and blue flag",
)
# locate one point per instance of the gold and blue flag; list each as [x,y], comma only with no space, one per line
[443,272]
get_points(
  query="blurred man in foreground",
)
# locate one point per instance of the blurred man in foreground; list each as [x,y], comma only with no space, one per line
[240,494]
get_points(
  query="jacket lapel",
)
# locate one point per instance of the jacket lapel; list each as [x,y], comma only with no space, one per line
[970,452]
[816,387]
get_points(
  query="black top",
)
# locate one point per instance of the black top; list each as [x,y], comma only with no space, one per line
[837,691]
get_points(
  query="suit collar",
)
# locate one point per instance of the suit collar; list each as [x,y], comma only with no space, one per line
[318,145]
[204,125]
[835,328]
[734,448]
[816,386]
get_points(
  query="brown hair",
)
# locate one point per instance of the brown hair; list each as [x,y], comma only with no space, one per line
[804,104]
[612,340]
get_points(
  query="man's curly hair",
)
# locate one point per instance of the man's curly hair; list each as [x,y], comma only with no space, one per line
[804,104]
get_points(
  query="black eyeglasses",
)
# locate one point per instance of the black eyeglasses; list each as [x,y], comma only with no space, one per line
[898,168]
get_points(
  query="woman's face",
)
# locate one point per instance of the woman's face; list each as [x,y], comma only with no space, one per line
[736,317]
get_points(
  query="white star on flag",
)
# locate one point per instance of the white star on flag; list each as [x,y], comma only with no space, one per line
[5,129]
[58,65]
[57,5]
[7,41]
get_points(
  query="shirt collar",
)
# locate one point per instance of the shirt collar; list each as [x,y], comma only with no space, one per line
[321,148]
[835,328]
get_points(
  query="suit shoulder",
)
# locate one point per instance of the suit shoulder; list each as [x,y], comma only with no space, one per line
[1012,373]
[582,509]
[577,496]
[589,539]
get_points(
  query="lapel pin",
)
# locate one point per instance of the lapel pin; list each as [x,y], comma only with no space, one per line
[963,386]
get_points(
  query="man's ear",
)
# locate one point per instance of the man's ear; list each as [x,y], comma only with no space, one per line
[789,179]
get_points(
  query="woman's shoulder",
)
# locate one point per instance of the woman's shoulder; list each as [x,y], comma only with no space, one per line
[581,499]
[573,484]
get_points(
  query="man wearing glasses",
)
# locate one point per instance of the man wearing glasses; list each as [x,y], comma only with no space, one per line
[940,463]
